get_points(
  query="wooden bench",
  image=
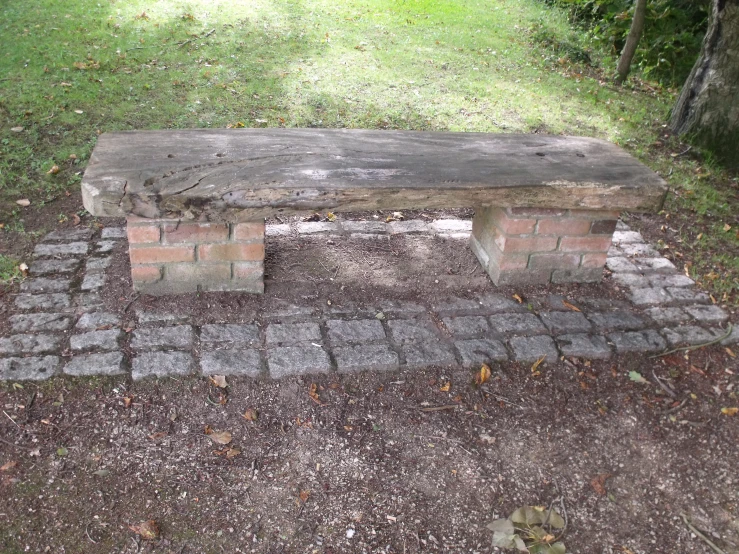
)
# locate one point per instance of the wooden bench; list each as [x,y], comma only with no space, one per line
[195,200]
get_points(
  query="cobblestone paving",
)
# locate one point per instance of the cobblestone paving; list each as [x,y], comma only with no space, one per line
[60,326]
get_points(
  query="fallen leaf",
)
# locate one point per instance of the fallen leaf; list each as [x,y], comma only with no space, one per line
[537,363]
[23,268]
[637,377]
[17,129]
[220,437]
[7,466]
[730,352]
[727,227]
[304,496]
[76,219]
[483,375]
[36,452]
[313,393]
[157,436]
[127,401]
[570,306]
[147,530]
[445,387]
[331,216]
[73,156]
[79,111]
[598,483]
[23,202]
[54,170]
[251,414]
[102,472]
[219,381]
[729,411]
[61,452]
[518,298]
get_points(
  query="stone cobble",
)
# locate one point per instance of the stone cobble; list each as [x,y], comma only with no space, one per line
[57,312]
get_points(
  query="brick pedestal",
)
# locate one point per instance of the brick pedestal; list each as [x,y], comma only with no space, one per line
[174,256]
[539,246]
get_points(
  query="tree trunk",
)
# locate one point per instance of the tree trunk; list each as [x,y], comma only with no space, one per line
[632,41]
[707,110]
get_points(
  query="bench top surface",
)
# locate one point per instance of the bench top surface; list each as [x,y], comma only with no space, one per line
[245,173]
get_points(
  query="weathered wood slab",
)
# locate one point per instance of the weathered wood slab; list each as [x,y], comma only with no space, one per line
[241,174]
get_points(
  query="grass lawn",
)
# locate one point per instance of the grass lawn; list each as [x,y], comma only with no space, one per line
[69,71]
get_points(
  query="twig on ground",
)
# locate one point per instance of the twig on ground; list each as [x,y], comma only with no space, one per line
[675,408]
[701,535]
[696,346]
[688,149]
[134,299]
[11,419]
[87,532]
[16,445]
[664,386]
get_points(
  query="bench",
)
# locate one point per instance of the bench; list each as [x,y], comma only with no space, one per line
[195,200]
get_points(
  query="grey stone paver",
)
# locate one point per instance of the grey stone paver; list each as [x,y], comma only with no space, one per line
[88,300]
[707,314]
[286,334]
[114,233]
[168,318]
[621,265]
[96,340]
[317,227]
[70,234]
[410,226]
[638,250]
[103,246]
[153,338]
[29,369]
[53,267]
[689,335]
[358,331]
[43,284]
[467,325]
[425,354]
[413,330]
[230,333]
[635,280]
[676,280]
[481,351]
[22,323]
[237,361]
[458,306]
[162,364]
[51,301]
[523,324]
[656,265]
[93,281]
[565,322]
[451,226]
[733,337]
[664,315]
[593,347]
[637,341]
[530,349]
[62,250]
[688,296]
[30,344]
[97,264]
[626,237]
[108,363]
[96,320]
[366,357]
[616,321]
[364,227]
[297,360]
[497,303]
[650,295]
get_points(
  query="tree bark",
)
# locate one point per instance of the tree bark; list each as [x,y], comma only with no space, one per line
[632,41]
[707,110]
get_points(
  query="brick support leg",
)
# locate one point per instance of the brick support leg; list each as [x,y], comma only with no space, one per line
[173,256]
[539,246]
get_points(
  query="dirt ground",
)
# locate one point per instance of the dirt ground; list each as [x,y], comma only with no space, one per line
[409,461]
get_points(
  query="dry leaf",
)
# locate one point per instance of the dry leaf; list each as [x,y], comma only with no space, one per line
[251,414]
[483,375]
[219,437]
[313,393]
[157,436]
[76,219]
[127,401]
[9,465]
[598,483]
[73,156]
[23,202]
[17,129]
[570,306]
[54,170]
[730,352]
[147,530]
[729,411]
[518,298]
[727,227]
[79,111]
[231,453]
[331,216]
[24,269]
[219,381]
[537,363]
[445,387]
[304,496]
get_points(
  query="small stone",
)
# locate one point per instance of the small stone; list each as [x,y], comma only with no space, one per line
[53,301]
[637,341]
[93,265]
[366,357]
[667,315]
[467,326]
[626,237]
[733,338]
[683,295]
[42,284]
[531,349]
[69,249]
[410,226]
[114,233]
[105,246]
[40,322]
[28,369]
[95,320]
[70,234]
[522,324]
[707,314]
[612,321]
[285,334]
[96,340]
[565,322]
[413,330]
[641,297]
[241,361]
[481,351]
[161,364]
[109,363]
[620,265]
[689,334]
[30,344]
[592,347]
[53,267]
[93,281]
[297,360]
[359,331]
[151,338]
[168,318]
[426,354]
[230,333]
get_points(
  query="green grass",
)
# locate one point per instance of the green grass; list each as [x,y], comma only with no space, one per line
[9,271]
[501,66]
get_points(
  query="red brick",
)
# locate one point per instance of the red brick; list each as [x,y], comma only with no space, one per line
[194,233]
[554,261]
[146,273]
[251,230]
[511,225]
[603,227]
[143,234]
[232,252]
[585,244]
[594,260]
[248,271]
[564,226]
[526,244]
[593,214]
[198,273]
[535,212]
[162,254]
